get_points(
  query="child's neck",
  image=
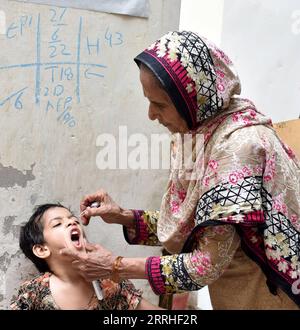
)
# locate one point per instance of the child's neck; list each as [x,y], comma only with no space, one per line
[66,282]
[67,274]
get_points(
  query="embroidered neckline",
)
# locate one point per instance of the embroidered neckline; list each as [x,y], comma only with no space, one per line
[91,303]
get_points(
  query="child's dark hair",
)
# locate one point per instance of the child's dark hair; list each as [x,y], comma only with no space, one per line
[32,233]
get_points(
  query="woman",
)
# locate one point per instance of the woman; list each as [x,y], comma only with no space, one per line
[235,225]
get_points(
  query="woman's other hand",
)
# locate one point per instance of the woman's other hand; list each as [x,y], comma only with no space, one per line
[95,264]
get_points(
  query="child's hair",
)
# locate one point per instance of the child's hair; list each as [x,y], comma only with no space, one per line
[32,233]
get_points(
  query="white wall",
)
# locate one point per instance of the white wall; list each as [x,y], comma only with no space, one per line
[204,17]
[263,39]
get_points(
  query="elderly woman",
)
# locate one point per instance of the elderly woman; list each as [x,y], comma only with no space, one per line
[234,226]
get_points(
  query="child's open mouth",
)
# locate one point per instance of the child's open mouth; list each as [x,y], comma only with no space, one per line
[75,238]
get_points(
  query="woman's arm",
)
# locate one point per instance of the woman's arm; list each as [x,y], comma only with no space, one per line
[214,249]
[186,271]
[143,231]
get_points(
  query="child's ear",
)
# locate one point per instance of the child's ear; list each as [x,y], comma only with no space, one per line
[41,251]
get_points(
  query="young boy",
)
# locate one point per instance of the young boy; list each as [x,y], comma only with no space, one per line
[50,229]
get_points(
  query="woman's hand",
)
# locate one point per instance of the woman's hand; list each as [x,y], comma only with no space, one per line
[108,210]
[95,264]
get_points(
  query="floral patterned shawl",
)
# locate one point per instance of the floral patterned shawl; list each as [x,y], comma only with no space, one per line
[245,175]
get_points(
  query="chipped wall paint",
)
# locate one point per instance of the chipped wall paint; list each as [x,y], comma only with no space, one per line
[10,177]
[10,228]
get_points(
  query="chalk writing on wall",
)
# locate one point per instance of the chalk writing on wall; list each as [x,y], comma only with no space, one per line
[57,64]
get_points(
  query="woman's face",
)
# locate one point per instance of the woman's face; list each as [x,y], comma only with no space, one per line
[161,107]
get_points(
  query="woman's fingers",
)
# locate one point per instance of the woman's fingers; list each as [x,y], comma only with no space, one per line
[69,253]
[109,211]
[96,263]
[86,211]
[93,211]
[90,247]
[85,220]
[99,196]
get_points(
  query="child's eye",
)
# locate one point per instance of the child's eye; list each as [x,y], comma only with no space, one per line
[58,224]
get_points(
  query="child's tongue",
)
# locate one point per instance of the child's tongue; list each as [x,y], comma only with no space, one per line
[73,240]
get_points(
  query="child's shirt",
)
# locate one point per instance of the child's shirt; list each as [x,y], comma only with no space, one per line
[35,294]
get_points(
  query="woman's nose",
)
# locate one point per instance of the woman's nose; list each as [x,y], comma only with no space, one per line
[152,113]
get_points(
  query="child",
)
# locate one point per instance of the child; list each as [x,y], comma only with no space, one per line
[50,229]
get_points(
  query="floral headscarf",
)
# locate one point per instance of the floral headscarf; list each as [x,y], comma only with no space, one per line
[199,78]
[247,177]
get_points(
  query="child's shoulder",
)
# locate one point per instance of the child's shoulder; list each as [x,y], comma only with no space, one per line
[31,291]
[40,280]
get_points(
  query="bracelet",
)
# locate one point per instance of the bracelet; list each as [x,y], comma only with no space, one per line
[115,269]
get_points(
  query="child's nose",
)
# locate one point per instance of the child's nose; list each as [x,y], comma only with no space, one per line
[71,222]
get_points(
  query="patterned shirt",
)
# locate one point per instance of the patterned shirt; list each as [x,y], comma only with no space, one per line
[213,251]
[35,294]
[216,260]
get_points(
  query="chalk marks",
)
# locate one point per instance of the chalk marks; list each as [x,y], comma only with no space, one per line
[88,74]
[18,98]
[59,68]
[19,27]
[115,39]
[78,61]
[58,100]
